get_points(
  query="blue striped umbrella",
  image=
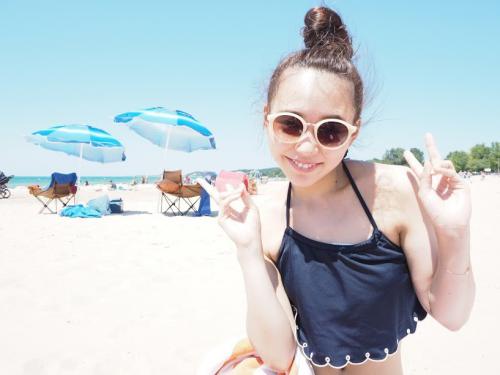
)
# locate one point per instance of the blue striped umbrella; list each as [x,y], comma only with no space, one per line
[83,141]
[171,130]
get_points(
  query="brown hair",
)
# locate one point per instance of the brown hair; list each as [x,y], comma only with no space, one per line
[328,47]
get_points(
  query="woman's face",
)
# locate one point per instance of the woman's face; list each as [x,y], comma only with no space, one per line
[315,95]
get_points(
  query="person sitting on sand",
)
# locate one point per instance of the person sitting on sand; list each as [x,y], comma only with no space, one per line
[341,266]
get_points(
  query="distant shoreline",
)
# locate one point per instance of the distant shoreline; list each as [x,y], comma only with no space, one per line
[92,180]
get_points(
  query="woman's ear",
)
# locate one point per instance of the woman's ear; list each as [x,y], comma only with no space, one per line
[266,112]
[357,124]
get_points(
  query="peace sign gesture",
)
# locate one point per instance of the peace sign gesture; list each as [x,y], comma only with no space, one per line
[443,194]
[238,215]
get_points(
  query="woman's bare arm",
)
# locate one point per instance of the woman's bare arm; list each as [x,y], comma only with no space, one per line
[269,316]
[436,238]
[268,309]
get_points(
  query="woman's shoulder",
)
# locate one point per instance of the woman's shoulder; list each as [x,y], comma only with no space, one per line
[271,197]
[271,203]
[382,178]
[392,191]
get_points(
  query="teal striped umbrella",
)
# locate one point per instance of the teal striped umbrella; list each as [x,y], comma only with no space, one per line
[171,130]
[83,141]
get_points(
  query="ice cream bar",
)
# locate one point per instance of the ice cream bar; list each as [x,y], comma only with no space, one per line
[227,180]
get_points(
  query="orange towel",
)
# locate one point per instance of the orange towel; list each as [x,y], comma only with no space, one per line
[33,189]
[241,359]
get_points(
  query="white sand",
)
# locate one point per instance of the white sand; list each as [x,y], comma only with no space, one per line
[142,293]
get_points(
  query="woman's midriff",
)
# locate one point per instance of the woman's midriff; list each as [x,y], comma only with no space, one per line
[391,366]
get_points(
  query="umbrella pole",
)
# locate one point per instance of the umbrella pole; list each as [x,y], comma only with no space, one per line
[160,202]
[80,164]
[166,145]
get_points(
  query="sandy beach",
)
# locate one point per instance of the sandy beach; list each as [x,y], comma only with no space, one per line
[144,293]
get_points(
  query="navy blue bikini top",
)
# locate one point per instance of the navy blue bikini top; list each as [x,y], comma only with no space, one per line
[351,302]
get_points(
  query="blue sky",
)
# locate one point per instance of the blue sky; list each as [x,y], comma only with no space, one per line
[430,66]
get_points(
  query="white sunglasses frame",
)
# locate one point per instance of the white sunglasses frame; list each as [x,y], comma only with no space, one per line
[351,129]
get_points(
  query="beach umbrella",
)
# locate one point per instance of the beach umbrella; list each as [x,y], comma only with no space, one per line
[83,141]
[201,174]
[171,130]
[207,175]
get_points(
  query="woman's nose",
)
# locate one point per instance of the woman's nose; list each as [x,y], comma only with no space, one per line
[307,145]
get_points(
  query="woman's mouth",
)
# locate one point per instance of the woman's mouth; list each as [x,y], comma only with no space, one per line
[302,166]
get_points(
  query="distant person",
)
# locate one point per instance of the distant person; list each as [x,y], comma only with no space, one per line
[210,179]
[86,183]
[344,261]
[112,185]
[134,182]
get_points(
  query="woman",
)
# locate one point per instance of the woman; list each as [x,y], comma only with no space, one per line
[346,261]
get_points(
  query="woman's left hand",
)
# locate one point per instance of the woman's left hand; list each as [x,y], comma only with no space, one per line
[444,195]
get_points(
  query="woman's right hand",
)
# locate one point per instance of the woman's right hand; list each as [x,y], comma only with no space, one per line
[238,216]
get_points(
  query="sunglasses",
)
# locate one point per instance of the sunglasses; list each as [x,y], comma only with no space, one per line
[289,127]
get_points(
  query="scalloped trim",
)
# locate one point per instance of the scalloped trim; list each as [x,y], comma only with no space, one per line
[347,357]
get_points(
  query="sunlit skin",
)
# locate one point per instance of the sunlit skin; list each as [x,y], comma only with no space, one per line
[314,95]
[317,95]
[428,217]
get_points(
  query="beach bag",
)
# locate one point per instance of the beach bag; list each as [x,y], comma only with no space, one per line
[116,206]
[100,204]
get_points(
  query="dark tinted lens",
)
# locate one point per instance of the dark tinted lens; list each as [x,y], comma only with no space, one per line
[332,134]
[287,128]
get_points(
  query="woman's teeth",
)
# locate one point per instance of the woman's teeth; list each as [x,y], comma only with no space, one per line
[303,166]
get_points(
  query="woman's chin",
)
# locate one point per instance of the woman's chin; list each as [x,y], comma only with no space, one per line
[302,179]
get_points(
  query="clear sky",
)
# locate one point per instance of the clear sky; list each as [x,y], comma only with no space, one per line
[430,66]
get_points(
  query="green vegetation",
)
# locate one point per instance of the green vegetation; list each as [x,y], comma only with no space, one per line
[479,158]
[459,159]
[482,156]
[395,156]
[269,172]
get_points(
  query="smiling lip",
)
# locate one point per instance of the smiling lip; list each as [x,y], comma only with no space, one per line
[302,166]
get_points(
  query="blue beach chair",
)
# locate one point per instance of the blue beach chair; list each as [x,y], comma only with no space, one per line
[62,188]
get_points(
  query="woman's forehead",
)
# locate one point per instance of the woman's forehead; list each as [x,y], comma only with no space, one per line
[314,92]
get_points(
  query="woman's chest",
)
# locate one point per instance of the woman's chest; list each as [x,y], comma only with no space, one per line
[351,229]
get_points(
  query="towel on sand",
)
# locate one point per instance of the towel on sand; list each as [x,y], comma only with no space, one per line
[239,358]
[80,210]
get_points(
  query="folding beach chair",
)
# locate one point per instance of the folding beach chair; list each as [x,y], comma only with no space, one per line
[173,192]
[62,188]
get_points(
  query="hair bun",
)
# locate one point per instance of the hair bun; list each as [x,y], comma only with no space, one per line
[324,29]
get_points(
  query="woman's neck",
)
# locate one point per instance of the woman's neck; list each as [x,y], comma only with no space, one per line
[330,185]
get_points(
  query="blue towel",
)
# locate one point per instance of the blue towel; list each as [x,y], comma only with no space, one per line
[204,208]
[80,210]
